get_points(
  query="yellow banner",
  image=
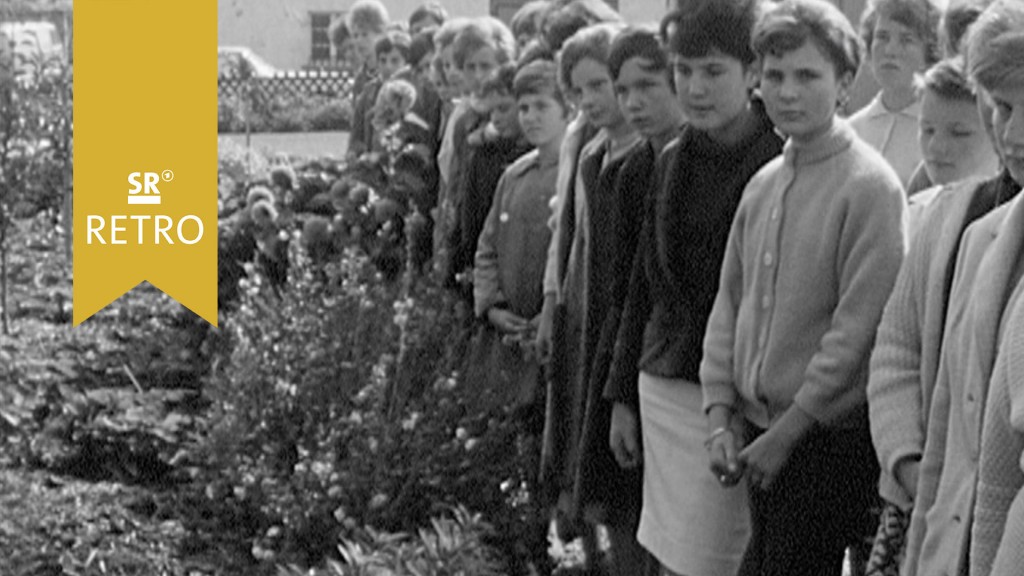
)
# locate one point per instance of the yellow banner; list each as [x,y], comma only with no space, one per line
[145,160]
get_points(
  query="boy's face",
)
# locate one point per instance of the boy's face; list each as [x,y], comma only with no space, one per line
[363,40]
[1008,127]
[390,62]
[713,90]
[646,98]
[421,69]
[478,66]
[542,118]
[953,141]
[592,83]
[897,53]
[800,91]
[504,115]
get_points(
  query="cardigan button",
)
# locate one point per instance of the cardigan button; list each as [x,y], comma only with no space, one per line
[775,213]
[768,260]
[503,217]
[766,302]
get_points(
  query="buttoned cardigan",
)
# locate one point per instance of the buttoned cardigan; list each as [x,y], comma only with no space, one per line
[938,538]
[812,255]
[905,360]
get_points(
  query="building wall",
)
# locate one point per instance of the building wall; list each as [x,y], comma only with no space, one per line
[280,30]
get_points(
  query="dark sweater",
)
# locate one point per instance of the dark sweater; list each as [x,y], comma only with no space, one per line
[679,257]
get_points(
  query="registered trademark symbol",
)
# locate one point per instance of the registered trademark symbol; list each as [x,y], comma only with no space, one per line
[167,175]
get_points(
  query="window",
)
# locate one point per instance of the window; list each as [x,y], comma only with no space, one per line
[320,23]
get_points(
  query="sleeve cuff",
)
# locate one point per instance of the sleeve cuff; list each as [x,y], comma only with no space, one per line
[718,393]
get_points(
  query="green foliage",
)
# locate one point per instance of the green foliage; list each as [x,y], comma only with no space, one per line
[338,407]
[451,546]
[262,111]
[35,139]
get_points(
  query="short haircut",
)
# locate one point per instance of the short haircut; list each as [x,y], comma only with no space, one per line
[594,42]
[566,17]
[527,20]
[368,15]
[484,32]
[995,44]
[699,26]
[501,81]
[432,10]
[947,80]
[393,40]
[538,77]
[638,43]
[957,18]
[537,49]
[786,26]
[921,16]
[421,45]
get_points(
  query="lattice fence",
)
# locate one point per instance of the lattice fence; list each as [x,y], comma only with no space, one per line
[286,83]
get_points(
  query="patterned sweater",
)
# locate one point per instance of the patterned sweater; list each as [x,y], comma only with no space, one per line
[998,529]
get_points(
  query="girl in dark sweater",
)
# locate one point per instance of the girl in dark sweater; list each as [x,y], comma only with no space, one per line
[690,522]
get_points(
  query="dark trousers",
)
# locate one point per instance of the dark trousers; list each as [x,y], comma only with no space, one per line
[819,504]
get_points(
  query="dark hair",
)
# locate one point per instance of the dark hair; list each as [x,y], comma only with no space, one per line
[948,80]
[593,42]
[537,49]
[638,43]
[393,40]
[994,45]
[433,10]
[787,25]
[956,20]
[566,17]
[414,159]
[699,26]
[921,16]
[421,45]
[538,77]
[527,20]
[501,81]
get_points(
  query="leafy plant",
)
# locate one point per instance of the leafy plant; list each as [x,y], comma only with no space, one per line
[452,546]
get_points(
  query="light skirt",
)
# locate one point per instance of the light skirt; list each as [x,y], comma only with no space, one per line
[691,523]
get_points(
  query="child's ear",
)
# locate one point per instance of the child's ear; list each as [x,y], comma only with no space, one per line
[845,83]
[751,76]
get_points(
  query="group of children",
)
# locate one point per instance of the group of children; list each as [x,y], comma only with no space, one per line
[708,287]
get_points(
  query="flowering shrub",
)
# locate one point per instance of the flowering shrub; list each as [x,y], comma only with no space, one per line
[339,407]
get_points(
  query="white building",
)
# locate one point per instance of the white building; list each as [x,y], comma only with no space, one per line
[291,34]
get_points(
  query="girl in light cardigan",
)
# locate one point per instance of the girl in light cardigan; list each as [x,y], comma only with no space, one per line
[812,255]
